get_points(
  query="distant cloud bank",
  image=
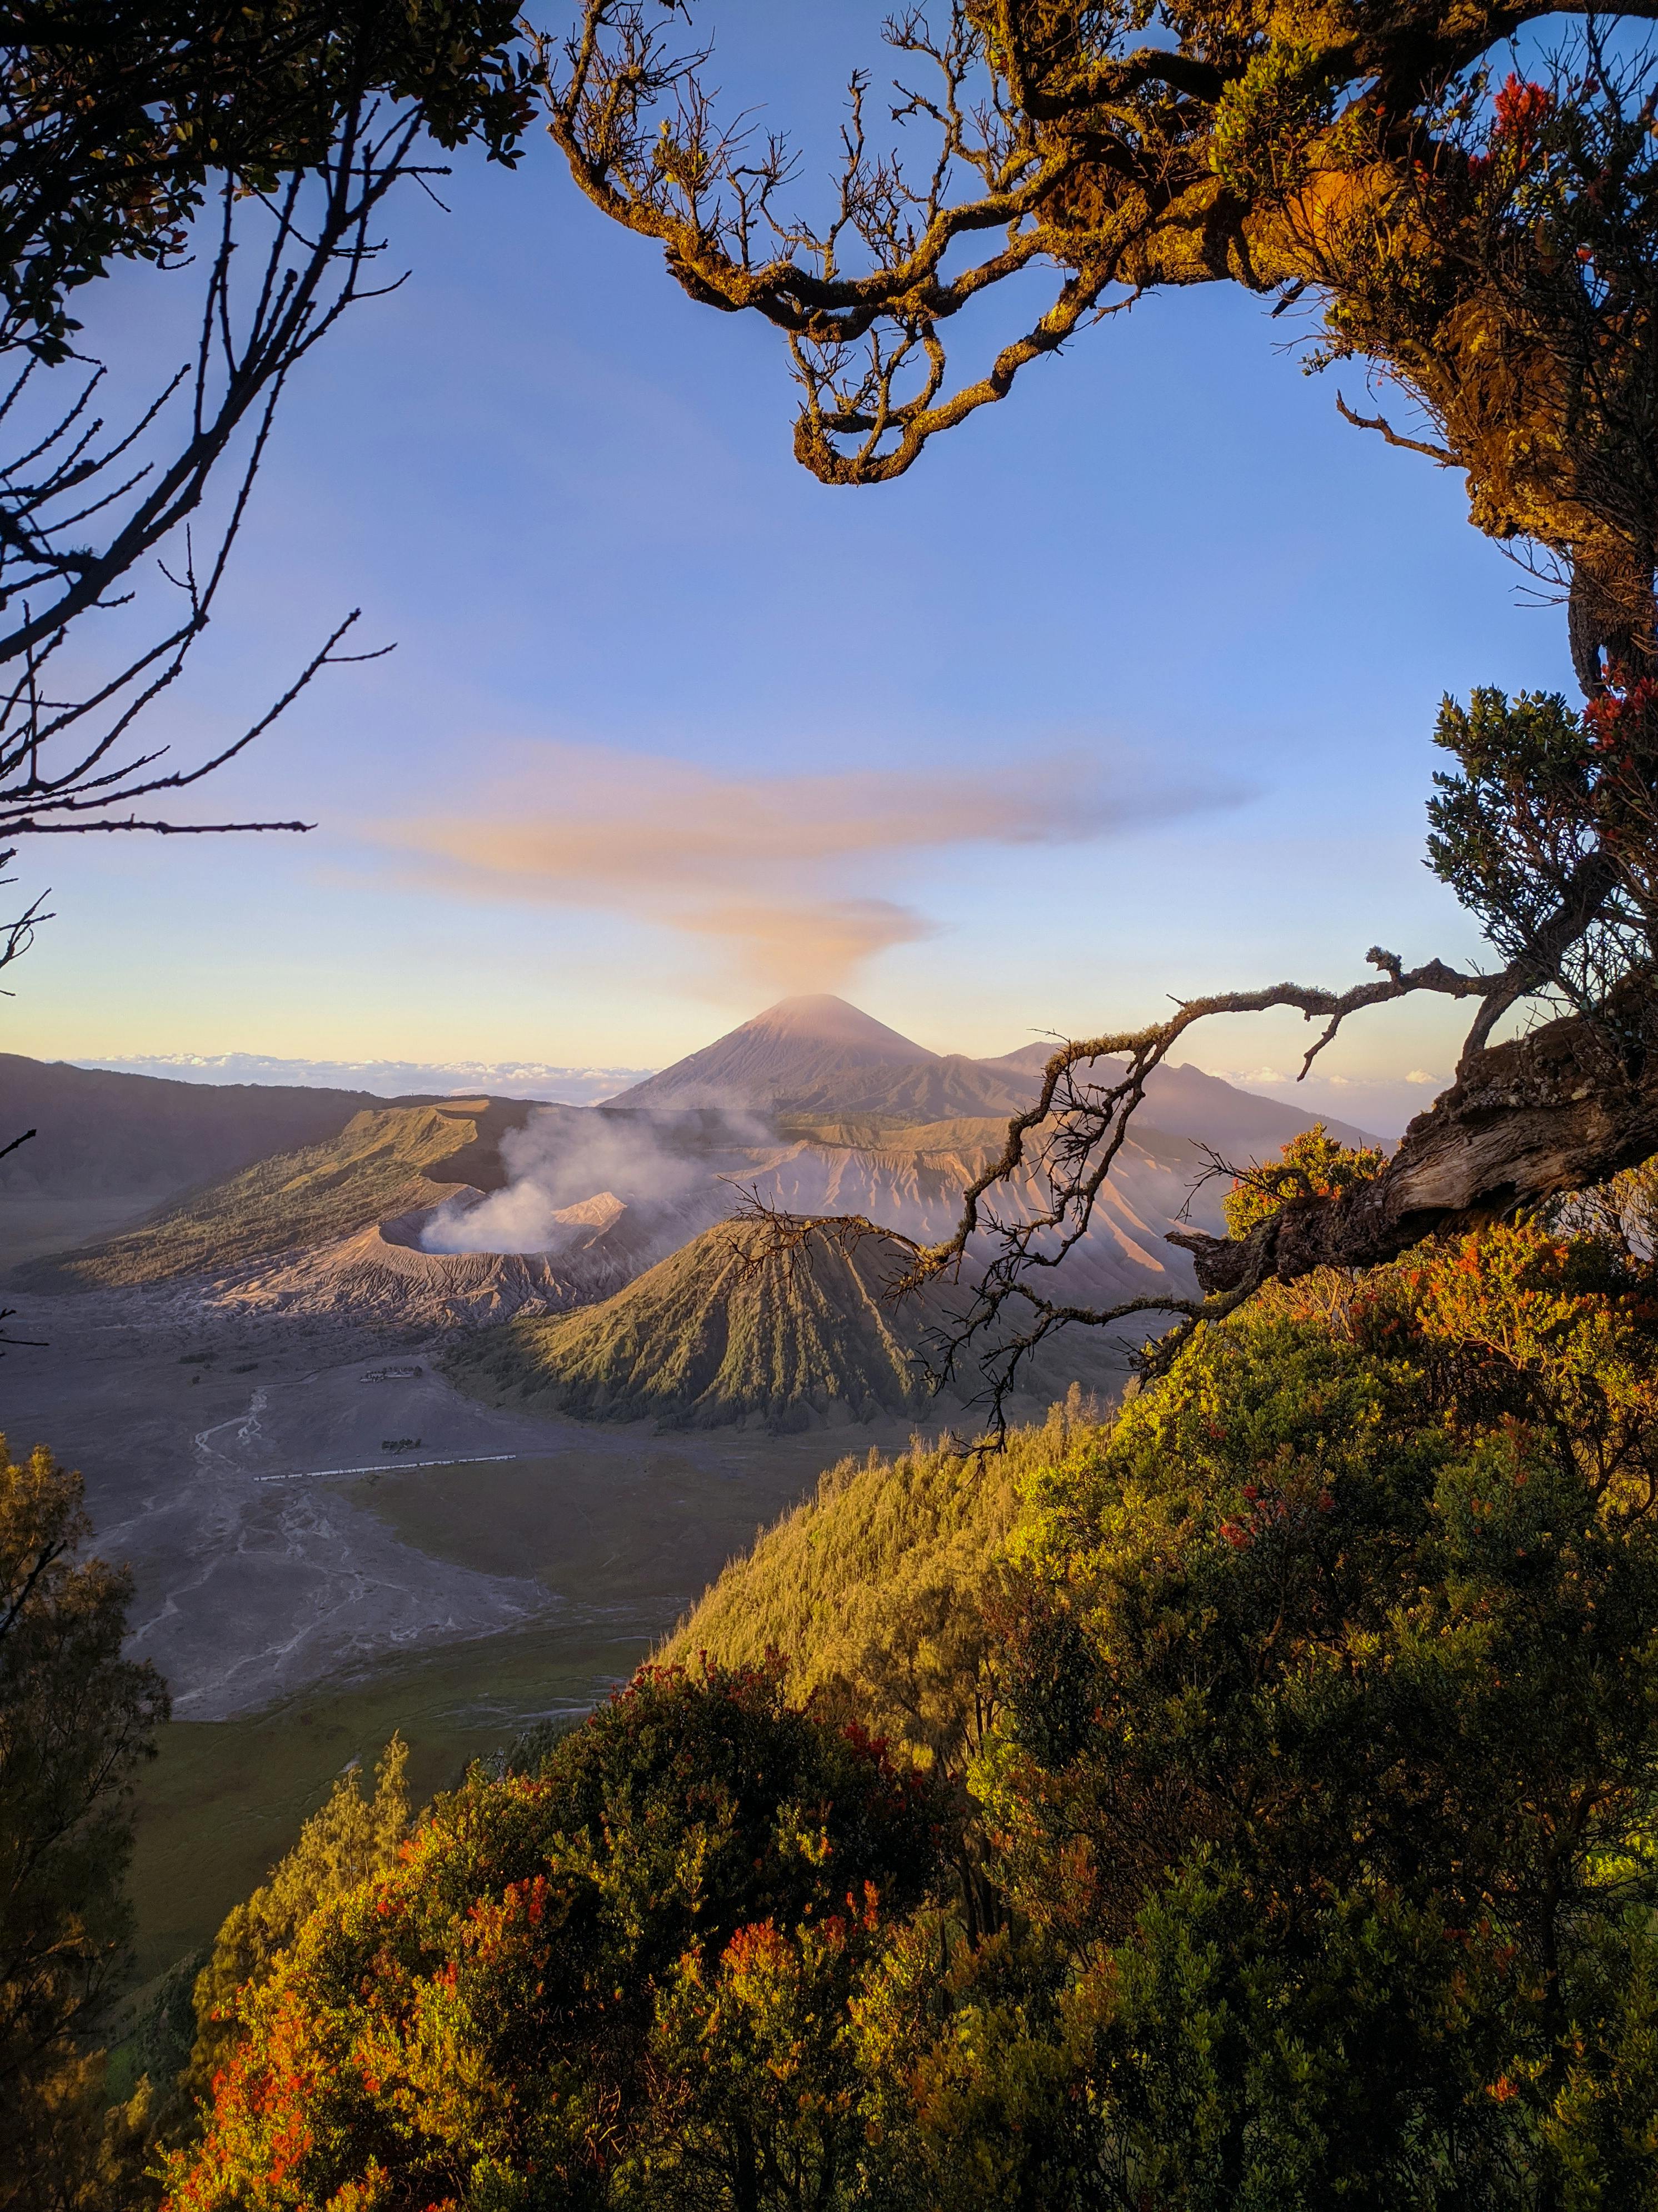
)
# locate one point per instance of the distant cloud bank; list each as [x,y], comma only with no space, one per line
[387,1079]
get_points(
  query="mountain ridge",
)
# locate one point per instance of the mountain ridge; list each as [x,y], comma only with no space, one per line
[97,1130]
[822,1058]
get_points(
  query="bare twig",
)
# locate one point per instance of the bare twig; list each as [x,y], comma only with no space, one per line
[1385,429]
[68,762]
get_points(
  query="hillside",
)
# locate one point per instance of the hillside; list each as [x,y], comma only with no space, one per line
[710,1336]
[100,1132]
[387,1161]
[875,1589]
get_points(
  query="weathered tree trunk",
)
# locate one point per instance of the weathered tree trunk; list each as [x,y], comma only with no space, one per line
[1547,1114]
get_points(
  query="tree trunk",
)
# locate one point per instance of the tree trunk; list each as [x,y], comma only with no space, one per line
[1547,1114]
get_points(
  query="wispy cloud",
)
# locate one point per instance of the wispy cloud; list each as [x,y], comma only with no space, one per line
[790,873]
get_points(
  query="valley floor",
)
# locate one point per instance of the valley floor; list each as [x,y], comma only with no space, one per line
[305,1590]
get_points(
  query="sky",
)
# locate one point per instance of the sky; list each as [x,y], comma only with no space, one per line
[1124,694]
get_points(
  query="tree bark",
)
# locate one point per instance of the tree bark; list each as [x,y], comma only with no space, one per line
[1547,1114]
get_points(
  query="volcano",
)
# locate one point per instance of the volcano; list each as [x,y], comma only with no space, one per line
[719,1335]
[818,1059]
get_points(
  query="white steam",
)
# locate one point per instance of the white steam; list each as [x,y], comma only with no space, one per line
[574,1175]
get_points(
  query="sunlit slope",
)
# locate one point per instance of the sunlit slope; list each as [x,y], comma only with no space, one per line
[720,1334]
[381,1163]
[876,1590]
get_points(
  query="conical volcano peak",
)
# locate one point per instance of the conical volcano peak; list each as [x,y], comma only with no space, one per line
[819,1018]
[817,1058]
[805,1051]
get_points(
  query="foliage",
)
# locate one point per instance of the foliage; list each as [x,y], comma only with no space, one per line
[1333,1743]
[882,1588]
[349,1841]
[1311,1165]
[115,113]
[76,1720]
[623,1979]
[1550,815]
[1267,118]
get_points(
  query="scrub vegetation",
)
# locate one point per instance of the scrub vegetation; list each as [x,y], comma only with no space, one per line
[376,1167]
[884,1588]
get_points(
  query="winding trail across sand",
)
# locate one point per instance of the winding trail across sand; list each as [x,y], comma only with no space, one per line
[245,1468]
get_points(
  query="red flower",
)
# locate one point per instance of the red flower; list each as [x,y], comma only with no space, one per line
[1520,107]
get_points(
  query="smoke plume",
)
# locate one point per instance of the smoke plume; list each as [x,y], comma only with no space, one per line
[660,1165]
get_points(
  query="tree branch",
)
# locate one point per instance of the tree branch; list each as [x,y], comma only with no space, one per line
[1379,423]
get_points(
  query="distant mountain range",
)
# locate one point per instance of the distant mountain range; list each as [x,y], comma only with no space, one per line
[423,1215]
[382,1079]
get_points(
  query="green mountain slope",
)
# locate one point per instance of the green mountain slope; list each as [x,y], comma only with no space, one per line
[382,1163]
[710,1336]
[879,1590]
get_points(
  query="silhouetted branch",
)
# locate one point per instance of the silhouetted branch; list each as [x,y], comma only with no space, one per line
[67,760]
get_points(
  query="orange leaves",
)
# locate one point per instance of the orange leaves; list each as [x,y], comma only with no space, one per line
[1509,1289]
[262,2135]
[1311,1165]
[1519,108]
[1621,712]
[494,2006]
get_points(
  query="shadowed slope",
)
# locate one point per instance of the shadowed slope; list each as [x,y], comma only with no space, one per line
[148,1135]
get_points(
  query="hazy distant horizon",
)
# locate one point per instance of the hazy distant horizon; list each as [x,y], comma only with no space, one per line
[385,1078]
[1381,1105]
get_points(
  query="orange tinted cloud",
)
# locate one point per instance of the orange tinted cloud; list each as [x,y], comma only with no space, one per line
[786,871]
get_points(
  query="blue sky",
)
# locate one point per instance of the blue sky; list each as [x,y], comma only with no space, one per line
[1126,691]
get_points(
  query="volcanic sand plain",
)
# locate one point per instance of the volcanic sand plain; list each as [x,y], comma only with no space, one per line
[308,1585]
